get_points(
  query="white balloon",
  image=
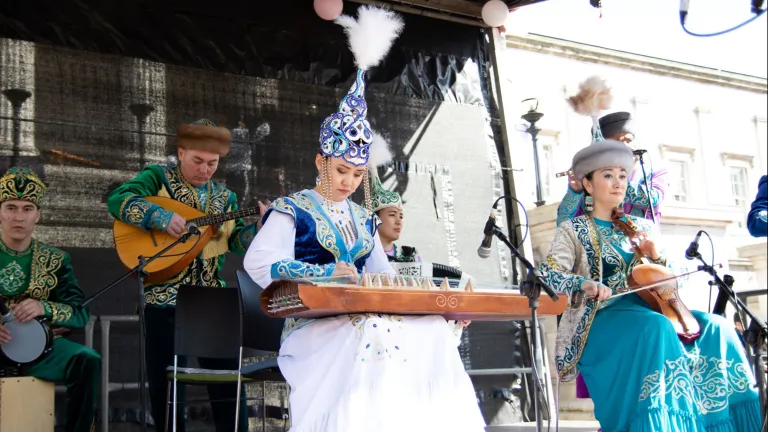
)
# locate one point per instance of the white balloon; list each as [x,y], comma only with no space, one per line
[495,13]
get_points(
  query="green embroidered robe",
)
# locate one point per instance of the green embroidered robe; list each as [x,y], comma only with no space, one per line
[127,204]
[43,273]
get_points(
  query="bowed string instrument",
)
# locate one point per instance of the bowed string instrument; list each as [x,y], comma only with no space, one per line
[657,284]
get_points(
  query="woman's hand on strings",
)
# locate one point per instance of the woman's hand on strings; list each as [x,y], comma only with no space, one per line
[344,269]
[648,247]
[595,290]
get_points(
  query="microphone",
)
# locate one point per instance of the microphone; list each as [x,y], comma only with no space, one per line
[684,4]
[693,249]
[192,229]
[484,251]
[757,6]
[5,314]
[639,152]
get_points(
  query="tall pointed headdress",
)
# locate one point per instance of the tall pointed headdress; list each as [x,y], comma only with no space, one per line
[381,197]
[346,133]
[593,97]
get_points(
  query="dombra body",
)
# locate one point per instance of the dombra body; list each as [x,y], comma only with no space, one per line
[132,241]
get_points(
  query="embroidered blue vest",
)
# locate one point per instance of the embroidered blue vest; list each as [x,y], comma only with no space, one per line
[318,240]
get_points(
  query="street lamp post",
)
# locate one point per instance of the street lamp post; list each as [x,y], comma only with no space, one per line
[17,97]
[533,116]
[141,111]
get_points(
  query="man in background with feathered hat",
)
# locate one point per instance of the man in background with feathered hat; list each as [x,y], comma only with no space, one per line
[37,281]
[618,126]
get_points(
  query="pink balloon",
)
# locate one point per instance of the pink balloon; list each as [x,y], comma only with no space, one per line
[328,9]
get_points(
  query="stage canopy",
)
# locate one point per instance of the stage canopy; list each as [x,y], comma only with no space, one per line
[465,10]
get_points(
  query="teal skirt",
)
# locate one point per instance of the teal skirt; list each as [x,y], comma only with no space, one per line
[642,378]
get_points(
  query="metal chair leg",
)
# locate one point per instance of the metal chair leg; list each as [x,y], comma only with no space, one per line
[264,405]
[167,407]
[239,383]
[175,390]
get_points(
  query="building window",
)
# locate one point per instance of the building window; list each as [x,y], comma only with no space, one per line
[679,161]
[546,170]
[548,142]
[738,167]
[739,191]
[678,185]
[739,186]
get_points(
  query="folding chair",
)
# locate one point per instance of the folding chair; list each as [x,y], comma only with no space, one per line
[207,325]
[262,333]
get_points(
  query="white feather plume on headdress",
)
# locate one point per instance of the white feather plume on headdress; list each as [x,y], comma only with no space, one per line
[370,35]
[378,153]
[593,96]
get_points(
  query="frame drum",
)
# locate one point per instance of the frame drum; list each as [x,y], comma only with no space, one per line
[29,341]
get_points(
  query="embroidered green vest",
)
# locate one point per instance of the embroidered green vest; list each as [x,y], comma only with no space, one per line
[43,273]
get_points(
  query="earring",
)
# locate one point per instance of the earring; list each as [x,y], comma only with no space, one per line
[367,190]
[327,181]
[588,203]
[317,180]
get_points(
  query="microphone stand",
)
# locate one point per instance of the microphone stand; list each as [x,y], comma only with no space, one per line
[140,274]
[754,335]
[531,287]
[722,296]
[647,188]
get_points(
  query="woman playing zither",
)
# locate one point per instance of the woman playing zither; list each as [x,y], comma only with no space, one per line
[640,374]
[358,372]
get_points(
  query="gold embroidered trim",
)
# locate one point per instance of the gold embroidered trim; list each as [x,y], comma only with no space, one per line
[13,252]
[46,262]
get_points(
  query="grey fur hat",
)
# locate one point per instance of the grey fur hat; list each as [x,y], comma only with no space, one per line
[601,154]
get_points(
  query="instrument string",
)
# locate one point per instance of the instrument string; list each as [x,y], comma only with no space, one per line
[657,283]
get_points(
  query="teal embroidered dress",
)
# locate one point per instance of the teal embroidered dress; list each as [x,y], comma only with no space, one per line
[641,377]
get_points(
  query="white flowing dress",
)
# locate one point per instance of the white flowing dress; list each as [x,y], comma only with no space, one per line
[366,372]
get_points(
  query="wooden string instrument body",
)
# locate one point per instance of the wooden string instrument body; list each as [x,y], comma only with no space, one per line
[132,241]
[402,295]
[663,298]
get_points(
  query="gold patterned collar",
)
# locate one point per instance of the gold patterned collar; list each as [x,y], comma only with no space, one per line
[14,252]
[192,188]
